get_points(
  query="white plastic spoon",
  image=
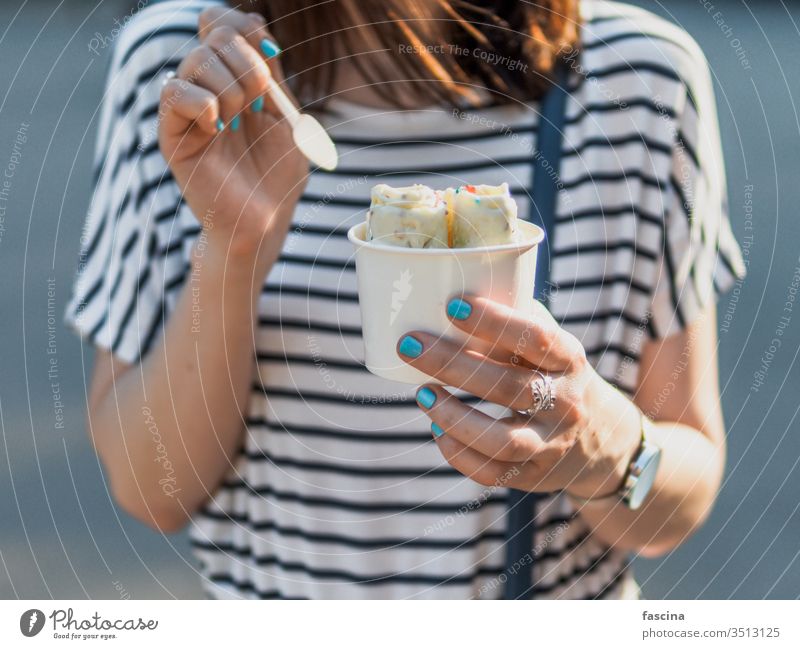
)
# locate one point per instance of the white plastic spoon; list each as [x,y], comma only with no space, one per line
[308,134]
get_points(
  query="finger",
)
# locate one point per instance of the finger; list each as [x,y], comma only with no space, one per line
[246,65]
[184,104]
[476,466]
[499,439]
[527,476]
[455,365]
[535,337]
[203,68]
[251,26]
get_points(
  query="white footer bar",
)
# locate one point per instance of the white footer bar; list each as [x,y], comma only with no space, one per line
[404,625]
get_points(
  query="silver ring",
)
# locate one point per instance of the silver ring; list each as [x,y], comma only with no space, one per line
[543,392]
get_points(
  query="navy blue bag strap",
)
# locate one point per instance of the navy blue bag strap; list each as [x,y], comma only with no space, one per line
[520,554]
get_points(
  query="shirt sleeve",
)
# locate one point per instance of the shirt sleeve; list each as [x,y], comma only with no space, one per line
[130,262]
[701,258]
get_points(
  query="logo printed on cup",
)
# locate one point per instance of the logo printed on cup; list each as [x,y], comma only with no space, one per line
[402,289]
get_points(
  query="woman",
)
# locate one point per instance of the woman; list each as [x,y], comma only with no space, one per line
[217,285]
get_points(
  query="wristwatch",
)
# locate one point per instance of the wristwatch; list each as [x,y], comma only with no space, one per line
[640,475]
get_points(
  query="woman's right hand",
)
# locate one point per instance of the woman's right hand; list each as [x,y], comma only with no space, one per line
[242,182]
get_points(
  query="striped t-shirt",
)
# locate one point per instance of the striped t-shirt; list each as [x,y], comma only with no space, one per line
[339,490]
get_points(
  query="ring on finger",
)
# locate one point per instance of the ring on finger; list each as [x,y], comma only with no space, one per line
[543,393]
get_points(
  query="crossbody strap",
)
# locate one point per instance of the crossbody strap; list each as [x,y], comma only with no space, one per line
[520,554]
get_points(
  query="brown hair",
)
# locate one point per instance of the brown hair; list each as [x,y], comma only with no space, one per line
[446,49]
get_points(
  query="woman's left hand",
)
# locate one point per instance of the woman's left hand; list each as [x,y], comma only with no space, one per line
[583,445]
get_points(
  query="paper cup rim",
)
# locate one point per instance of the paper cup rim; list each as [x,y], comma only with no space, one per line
[536,238]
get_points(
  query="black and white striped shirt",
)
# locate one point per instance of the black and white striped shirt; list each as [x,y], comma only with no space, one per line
[339,490]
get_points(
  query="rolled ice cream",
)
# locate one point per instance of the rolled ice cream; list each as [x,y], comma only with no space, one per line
[484,215]
[420,217]
[412,217]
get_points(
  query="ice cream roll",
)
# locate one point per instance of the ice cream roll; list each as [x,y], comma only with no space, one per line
[481,215]
[412,217]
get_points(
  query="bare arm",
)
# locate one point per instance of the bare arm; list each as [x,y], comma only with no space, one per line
[679,390]
[167,428]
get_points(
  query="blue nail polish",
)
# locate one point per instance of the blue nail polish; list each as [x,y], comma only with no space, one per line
[459,309]
[410,347]
[436,429]
[270,48]
[426,397]
[235,123]
[257,105]
[220,125]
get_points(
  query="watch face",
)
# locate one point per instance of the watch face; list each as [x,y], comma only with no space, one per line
[646,469]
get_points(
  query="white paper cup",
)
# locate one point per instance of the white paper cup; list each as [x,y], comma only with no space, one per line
[405,289]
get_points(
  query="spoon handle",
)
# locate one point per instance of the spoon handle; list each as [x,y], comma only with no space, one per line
[283,102]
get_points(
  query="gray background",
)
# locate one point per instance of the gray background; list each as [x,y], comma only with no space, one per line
[60,535]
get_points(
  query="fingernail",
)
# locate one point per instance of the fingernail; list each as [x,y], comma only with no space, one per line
[257,105]
[426,397]
[410,347]
[220,125]
[235,123]
[436,429]
[270,48]
[459,309]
